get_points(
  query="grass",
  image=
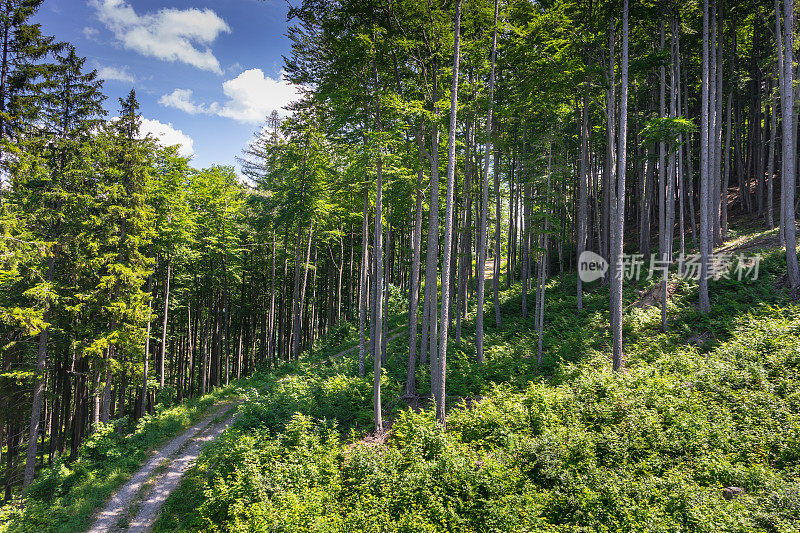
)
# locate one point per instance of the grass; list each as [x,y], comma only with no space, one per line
[65,496]
[565,445]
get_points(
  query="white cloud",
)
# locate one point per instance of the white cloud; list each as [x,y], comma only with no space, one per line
[115,73]
[91,33]
[251,97]
[170,34]
[166,135]
[183,99]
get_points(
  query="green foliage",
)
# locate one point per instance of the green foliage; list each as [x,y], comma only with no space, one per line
[65,495]
[645,450]
[566,446]
[667,130]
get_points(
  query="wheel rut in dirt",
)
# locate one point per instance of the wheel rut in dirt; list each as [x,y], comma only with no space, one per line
[136,505]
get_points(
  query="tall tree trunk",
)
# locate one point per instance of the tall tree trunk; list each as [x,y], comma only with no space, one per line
[296,308]
[362,305]
[720,195]
[543,261]
[646,203]
[689,181]
[431,343]
[773,130]
[680,178]
[662,152]
[378,246]
[788,153]
[713,179]
[619,201]
[270,330]
[583,178]
[448,228]
[498,214]
[705,178]
[726,173]
[416,249]
[164,325]
[38,387]
[303,289]
[482,232]
[143,393]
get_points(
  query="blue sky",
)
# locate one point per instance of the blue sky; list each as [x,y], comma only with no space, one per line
[206,72]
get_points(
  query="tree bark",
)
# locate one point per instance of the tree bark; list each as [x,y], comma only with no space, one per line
[619,201]
[378,246]
[362,305]
[416,246]
[497,237]
[705,179]
[773,130]
[482,235]
[164,325]
[38,386]
[788,159]
[448,229]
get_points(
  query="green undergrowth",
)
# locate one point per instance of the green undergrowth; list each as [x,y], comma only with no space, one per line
[65,495]
[565,445]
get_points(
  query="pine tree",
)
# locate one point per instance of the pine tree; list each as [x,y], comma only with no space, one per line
[71,109]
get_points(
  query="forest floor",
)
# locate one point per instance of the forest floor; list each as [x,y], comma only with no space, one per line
[136,505]
[710,404]
[563,444]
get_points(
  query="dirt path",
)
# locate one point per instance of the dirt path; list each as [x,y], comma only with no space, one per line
[488,270]
[136,505]
[395,333]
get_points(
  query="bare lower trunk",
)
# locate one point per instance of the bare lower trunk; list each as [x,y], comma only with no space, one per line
[705,179]
[482,233]
[720,195]
[773,130]
[619,200]
[378,246]
[788,157]
[38,389]
[146,362]
[543,262]
[413,305]
[164,326]
[296,309]
[726,173]
[431,294]
[497,237]
[583,177]
[362,304]
[448,229]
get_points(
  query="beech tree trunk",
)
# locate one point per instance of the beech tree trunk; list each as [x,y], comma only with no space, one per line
[705,178]
[362,292]
[619,201]
[416,249]
[788,145]
[448,229]
[773,129]
[482,231]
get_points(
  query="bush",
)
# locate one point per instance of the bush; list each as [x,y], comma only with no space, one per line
[645,450]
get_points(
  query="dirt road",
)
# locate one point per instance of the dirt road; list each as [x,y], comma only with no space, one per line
[136,505]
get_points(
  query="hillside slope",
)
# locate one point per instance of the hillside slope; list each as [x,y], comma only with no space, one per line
[567,445]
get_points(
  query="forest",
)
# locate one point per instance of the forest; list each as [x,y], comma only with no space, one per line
[393,284]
